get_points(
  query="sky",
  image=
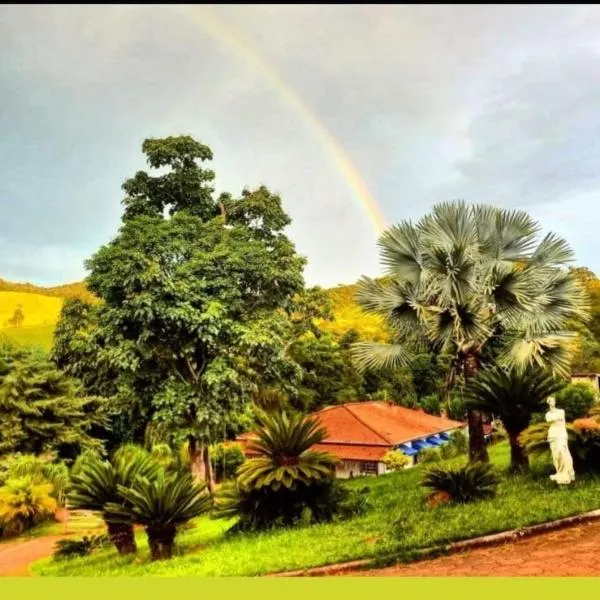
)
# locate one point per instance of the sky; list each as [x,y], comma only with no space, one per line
[346,111]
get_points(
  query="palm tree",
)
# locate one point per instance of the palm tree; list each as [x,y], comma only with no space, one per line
[466,279]
[284,457]
[512,396]
[160,504]
[96,484]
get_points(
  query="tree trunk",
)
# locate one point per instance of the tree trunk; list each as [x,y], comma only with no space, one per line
[519,462]
[477,448]
[122,537]
[161,539]
[196,460]
[208,471]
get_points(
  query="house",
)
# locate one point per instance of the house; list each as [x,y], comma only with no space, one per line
[592,379]
[359,434]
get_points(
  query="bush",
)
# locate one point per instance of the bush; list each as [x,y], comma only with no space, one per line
[448,450]
[394,460]
[265,508]
[82,547]
[576,399]
[457,408]
[431,404]
[472,482]
[226,458]
[459,440]
[430,455]
[23,504]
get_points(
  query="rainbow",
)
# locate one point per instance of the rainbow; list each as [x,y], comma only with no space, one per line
[216,29]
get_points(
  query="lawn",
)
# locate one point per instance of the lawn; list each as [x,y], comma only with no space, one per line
[398,522]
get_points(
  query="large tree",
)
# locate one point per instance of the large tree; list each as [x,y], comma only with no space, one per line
[475,282]
[190,290]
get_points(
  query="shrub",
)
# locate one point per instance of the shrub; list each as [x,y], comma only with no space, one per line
[82,547]
[23,504]
[96,485]
[575,399]
[448,450]
[40,469]
[431,404]
[457,409]
[265,508]
[472,482]
[394,460]
[430,455]
[226,458]
[160,504]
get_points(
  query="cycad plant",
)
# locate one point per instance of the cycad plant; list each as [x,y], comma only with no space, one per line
[513,396]
[96,486]
[474,481]
[160,504]
[283,454]
[477,283]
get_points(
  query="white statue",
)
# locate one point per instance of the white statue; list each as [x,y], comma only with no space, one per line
[558,440]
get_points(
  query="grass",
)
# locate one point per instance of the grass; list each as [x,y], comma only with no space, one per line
[40,335]
[37,308]
[398,522]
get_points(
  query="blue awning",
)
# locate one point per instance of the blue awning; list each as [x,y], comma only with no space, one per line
[434,440]
[445,436]
[408,450]
[422,445]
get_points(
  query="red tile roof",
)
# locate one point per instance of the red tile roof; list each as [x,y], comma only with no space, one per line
[367,430]
[380,423]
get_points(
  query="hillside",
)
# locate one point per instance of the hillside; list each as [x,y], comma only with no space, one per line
[41,308]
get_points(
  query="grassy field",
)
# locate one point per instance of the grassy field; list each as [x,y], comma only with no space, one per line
[37,309]
[398,522]
[40,336]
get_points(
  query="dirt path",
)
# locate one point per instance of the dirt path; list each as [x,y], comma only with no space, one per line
[15,557]
[574,551]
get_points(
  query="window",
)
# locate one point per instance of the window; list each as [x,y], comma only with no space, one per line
[368,468]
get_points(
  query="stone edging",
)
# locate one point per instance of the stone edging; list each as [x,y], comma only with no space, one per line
[479,542]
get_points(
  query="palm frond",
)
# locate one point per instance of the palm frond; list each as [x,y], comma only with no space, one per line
[373,355]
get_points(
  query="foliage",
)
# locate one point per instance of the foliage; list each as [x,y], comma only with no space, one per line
[39,469]
[459,440]
[81,547]
[513,396]
[474,481]
[42,409]
[475,283]
[24,503]
[431,404]
[284,458]
[226,460]
[394,460]
[576,399]
[160,504]
[429,455]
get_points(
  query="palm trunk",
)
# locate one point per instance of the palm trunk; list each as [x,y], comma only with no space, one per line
[477,448]
[196,460]
[122,537]
[161,539]
[519,462]
[208,471]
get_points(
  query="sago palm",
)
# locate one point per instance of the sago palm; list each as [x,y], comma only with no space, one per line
[96,484]
[284,457]
[469,280]
[513,396]
[160,504]
[475,481]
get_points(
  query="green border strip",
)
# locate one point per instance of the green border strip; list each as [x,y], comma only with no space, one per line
[495,539]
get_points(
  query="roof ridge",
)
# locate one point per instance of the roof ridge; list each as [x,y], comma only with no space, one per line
[368,426]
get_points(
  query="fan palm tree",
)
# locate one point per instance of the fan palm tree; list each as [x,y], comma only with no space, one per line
[513,396]
[160,504]
[466,280]
[96,485]
[284,457]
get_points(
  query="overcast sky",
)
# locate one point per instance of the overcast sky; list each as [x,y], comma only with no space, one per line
[494,104]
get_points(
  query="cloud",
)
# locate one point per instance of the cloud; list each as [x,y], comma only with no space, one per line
[489,103]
